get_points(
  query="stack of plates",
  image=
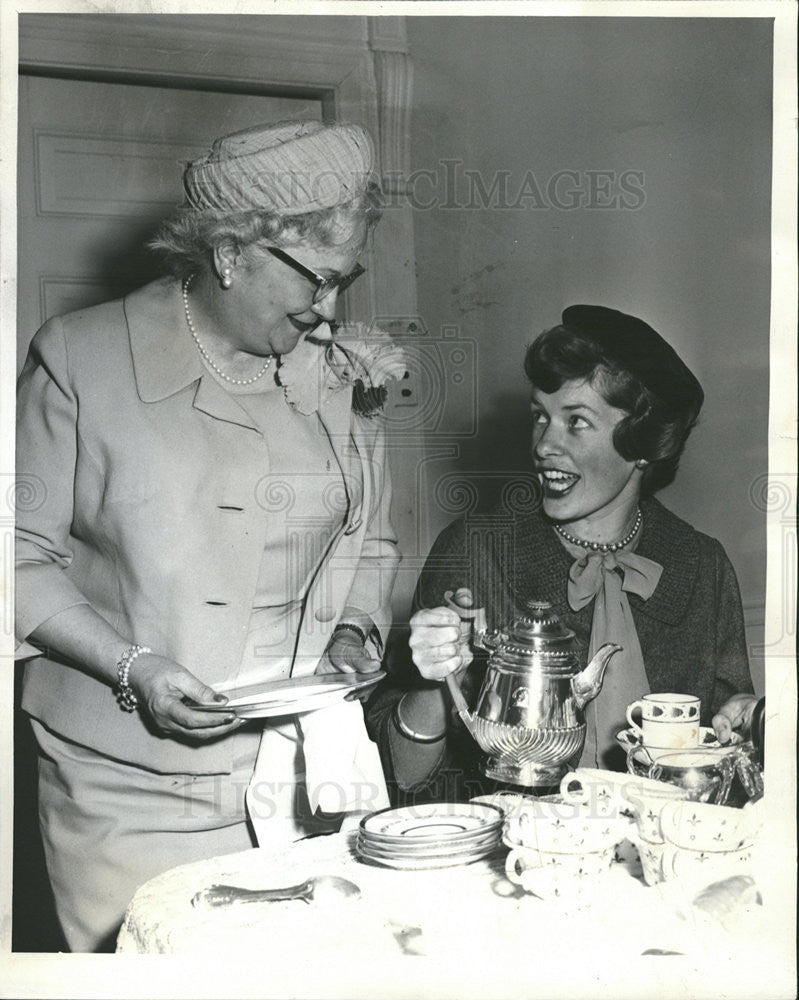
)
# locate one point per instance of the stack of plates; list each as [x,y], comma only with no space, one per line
[434,835]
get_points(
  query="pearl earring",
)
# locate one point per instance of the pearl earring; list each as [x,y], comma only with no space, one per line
[641,463]
[227,277]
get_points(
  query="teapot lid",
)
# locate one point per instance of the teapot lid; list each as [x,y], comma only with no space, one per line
[537,630]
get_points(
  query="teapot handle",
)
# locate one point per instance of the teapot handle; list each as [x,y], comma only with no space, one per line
[471,618]
[461,705]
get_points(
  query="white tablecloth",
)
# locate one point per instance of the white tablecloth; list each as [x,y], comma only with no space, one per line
[470,917]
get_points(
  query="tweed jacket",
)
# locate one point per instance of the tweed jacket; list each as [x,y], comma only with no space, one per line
[691,629]
[143,478]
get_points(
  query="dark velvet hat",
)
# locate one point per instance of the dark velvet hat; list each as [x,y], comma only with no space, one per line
[636,347]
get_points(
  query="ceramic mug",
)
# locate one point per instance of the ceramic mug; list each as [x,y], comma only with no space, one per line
[550,875]
[667,720]
[564,827]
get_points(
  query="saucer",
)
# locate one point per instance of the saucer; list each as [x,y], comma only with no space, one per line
[292,695]
[630,740]
[429,835]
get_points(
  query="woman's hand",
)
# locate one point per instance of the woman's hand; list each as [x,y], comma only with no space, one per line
[439,643]
[735,714]
[161,685]
[346,654]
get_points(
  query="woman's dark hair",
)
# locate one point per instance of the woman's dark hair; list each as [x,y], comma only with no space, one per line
[185,241]
[655,429]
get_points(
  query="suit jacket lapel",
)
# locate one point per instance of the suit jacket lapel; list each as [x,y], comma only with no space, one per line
[212,399]
[165,360]
[672,543]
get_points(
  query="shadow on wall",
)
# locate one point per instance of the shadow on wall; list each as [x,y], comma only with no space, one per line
[119,265]
[495,465]
[129,260]
[124,265]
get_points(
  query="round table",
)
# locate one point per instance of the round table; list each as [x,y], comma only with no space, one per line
[465,916]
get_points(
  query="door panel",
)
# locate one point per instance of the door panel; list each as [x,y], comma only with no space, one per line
[100,165]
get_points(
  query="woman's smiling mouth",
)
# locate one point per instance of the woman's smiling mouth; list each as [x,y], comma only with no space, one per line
[555,482]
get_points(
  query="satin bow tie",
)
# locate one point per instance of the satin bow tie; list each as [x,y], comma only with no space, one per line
[639,575]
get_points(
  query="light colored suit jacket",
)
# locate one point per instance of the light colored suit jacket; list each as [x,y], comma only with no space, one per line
[143,477]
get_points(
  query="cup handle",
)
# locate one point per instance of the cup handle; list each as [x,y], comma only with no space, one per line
[513,859]
[634,725]
[577,795]
[631,759]
[670,816]
[668,861]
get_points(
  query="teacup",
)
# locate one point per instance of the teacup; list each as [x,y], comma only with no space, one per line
[700,826]
[644,797]
[554,875]
[693,868]
[564,827]
[609,790]
[667,720]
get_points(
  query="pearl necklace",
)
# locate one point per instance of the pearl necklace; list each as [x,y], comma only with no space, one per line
[206,355]
[604,546]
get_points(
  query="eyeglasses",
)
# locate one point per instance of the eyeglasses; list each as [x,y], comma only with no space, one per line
[324,286]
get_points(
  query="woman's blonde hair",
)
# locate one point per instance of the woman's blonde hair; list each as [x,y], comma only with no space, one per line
[186,241]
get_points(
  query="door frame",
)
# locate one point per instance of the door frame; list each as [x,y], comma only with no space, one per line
[358,66]
[361,69]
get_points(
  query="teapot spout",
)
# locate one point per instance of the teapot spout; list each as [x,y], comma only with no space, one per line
[587,684]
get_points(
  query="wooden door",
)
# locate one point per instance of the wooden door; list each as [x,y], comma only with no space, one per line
[100,165]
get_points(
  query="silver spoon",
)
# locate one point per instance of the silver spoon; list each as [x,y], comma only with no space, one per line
[321,889]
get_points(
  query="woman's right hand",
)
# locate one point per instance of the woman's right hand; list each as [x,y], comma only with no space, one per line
[439,642]
[161,685]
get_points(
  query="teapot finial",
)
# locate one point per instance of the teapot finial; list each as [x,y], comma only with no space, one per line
[538,610]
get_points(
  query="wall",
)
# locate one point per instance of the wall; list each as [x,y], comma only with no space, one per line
[685,105]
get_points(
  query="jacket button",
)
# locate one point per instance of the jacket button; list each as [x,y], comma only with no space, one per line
[353,526]
[325,614]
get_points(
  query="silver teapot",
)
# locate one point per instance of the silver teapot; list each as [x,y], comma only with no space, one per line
[529,717]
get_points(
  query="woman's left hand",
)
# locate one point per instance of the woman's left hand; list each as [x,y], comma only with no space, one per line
[735,714]
[346,654]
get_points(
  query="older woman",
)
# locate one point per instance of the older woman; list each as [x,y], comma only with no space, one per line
[612,407]
[196,530]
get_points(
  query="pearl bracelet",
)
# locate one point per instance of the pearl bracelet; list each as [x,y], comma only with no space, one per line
[128,701]
[349,627]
